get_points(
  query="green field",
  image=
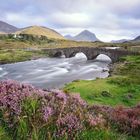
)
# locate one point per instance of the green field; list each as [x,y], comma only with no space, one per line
[123,88]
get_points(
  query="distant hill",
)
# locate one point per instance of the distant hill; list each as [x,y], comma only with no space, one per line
[68,37]
[7,28]
[1,33]
[39,30]
[137,39]
[120,41]
[84,36]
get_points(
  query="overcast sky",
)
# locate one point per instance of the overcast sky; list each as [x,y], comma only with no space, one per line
[108,19]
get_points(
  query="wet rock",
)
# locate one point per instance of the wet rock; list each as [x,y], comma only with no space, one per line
[104,70]
[105,94]
[129,96]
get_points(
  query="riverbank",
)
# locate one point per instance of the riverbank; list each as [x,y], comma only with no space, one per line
[16,55]
[122,88]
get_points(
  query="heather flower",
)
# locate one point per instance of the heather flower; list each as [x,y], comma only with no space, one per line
[13,93]
[66,112]
[78,99]
[60,95]
[54,103]
[96,120]
[69,124]
[127,119]
[47,112]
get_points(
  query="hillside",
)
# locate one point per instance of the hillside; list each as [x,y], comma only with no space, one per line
[120,41]
[84,36]
[137,39]
[7,28]
[39,30]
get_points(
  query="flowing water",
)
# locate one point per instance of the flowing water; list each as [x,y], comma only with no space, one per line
[55,72]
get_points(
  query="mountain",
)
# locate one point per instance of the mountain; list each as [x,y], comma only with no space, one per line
[7,28]
[137,39]
[120,41]
[39,30]
[68,37]
[84,36]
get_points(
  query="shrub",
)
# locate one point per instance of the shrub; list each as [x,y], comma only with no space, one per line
[127,119]
[31,113]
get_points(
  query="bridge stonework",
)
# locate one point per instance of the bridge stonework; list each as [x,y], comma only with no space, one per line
[90,52]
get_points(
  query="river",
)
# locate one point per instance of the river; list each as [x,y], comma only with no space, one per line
[56,72]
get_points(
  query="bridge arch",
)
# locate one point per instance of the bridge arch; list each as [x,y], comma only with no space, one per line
[103,57]
[73,54]
[81,55]
[58,54]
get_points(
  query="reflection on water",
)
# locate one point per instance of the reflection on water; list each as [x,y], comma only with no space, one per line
[55,72]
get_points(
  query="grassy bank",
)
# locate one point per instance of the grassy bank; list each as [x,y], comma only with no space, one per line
[123,88]
[12,56]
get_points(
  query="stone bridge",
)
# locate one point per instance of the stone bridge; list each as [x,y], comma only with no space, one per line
[90,52]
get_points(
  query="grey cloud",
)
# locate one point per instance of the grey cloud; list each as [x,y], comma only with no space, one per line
[112,17]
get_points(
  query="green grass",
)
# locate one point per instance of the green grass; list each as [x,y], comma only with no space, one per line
[104,135]
[123,88]
[131,69]
[12,56]
[95,134]
[3,134]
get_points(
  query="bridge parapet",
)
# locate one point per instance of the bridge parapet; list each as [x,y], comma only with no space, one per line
[90,52]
